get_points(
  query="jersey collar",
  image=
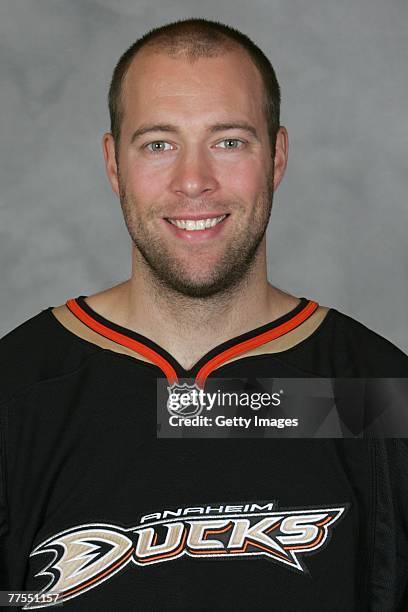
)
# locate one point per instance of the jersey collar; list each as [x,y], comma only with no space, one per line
[211,360]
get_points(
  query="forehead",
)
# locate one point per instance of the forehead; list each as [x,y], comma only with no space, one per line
[158,83]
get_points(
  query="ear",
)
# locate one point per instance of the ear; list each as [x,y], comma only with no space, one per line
[108,148]
[281,156]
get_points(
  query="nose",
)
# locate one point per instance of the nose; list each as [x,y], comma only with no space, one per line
[193,175]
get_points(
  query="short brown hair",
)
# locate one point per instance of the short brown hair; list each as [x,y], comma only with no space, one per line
[194,38]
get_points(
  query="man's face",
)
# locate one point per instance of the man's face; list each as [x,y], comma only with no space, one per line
[195,169]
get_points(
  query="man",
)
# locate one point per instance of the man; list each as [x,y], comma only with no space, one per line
[101,509]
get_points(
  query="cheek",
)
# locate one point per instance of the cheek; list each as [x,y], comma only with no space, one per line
[145,181]
[148,181]
[246,180]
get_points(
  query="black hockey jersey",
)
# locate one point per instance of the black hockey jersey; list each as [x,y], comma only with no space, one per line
[96,507]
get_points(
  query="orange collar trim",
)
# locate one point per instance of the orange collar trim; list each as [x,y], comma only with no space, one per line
[212,364]
[251,343]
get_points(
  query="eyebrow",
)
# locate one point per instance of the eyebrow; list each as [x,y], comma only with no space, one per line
[217,127]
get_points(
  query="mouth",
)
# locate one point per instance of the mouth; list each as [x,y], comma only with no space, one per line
[193,225]
[194,228]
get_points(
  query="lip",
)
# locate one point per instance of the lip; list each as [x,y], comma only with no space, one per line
[195,236]
[189,217]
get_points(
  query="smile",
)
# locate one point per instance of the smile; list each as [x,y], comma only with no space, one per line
[196,224]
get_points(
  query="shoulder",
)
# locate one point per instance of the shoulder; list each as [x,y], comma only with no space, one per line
[38,349]
[362,351]
[341,346]
[369,347]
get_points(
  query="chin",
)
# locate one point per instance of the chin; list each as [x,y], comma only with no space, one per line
[199,286]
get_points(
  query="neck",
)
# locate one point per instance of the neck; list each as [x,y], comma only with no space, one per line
[189,327]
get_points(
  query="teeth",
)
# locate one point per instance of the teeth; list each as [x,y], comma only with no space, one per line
[199,224]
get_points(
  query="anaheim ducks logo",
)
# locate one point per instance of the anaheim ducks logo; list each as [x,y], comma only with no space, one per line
[85,556]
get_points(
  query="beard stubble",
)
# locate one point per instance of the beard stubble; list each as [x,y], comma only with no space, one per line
[233,267]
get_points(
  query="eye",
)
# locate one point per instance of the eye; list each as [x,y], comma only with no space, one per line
[231,143]
[158,146]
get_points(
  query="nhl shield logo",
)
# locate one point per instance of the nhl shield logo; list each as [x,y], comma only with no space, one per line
[185,400]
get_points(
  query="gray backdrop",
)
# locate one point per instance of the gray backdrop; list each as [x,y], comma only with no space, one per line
[339,223]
